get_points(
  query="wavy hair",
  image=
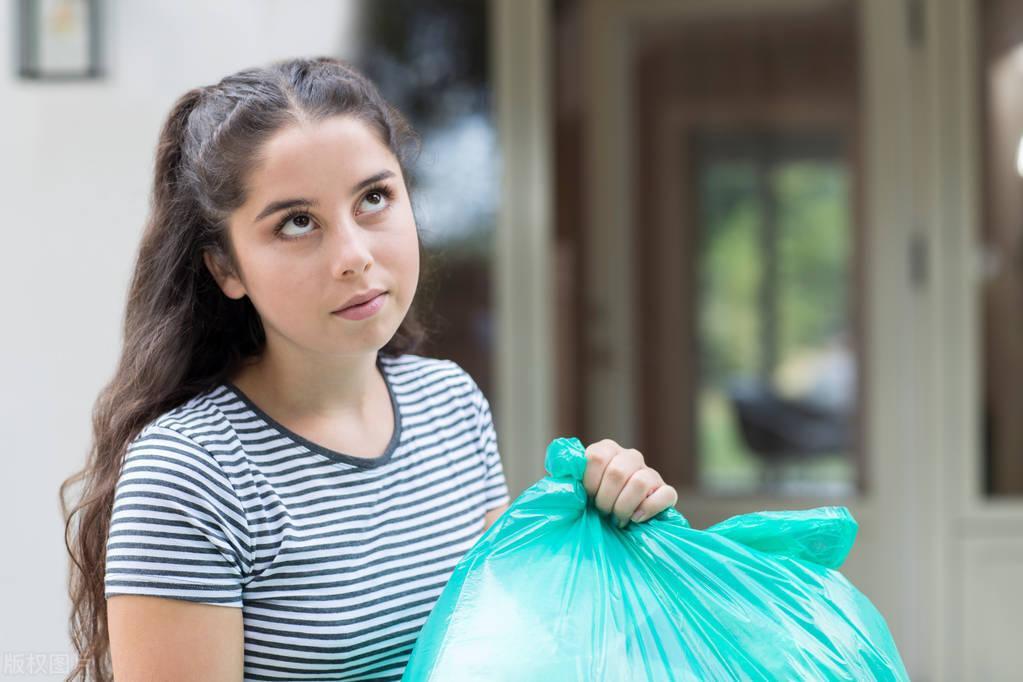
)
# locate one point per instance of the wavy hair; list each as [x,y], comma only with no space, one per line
[181,334]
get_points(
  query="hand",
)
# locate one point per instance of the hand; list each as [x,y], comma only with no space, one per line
[622,484]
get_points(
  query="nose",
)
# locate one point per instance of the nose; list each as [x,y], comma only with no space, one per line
[350,250]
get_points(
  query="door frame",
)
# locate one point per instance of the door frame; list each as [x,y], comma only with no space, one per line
[898,514]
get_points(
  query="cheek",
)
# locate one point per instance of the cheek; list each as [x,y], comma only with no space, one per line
[400,255]
[412,259]
[410,248]
[409,275]
[278,289]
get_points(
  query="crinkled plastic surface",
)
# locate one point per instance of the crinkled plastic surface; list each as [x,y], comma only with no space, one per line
[554,590]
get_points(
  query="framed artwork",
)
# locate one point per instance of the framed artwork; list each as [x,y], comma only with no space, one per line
[59,39]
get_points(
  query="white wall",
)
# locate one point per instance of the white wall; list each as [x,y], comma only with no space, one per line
[75,173]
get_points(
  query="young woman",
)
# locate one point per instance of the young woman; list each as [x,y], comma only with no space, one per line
[278,487]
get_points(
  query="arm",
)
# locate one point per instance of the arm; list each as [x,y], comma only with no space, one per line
[163,640]
[177,554]
[496,488]
[492,515]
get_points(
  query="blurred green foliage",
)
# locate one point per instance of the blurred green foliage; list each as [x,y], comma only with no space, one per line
[814,246]
[814,252]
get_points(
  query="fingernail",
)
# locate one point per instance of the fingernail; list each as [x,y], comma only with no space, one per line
[638,516]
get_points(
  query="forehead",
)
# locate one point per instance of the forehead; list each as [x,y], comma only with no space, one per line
[302,158]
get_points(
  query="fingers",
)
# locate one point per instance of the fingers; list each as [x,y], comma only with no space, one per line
[617,474]
[640,485]
[660,499]
[622,485]
[598,455]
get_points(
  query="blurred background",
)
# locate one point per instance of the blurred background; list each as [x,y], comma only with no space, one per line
[775,245]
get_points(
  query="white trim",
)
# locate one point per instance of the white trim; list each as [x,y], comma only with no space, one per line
[956,332]
[524,345]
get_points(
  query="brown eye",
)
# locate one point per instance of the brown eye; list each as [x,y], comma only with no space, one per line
[376,199]
[299,221]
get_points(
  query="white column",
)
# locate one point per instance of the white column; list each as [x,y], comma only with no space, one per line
[521,66]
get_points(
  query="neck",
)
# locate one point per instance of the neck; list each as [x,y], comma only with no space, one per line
[310,386]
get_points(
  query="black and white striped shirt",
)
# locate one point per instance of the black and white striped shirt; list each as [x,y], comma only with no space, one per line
[335,560]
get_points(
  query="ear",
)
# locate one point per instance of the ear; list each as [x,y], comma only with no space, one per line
[229,283]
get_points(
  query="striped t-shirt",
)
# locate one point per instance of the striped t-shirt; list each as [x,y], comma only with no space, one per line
[335,560]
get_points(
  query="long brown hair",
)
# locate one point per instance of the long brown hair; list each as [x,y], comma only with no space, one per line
[182,335]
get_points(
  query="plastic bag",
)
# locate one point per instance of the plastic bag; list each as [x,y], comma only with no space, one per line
[554,590]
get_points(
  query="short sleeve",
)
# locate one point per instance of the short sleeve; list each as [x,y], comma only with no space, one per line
[496,489]
[177,527]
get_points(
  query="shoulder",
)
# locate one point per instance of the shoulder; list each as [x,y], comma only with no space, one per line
[194,442]
[202,419]
[422,372]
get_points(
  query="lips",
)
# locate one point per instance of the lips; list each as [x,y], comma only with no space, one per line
[359,299]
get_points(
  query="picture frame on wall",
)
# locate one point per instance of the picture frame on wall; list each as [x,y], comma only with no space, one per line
[59,40]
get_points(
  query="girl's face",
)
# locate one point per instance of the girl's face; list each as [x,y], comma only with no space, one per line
[326,217]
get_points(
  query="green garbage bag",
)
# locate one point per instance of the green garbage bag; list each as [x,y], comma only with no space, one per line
[554,590]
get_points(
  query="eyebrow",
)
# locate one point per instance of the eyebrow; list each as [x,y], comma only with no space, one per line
[284,204]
